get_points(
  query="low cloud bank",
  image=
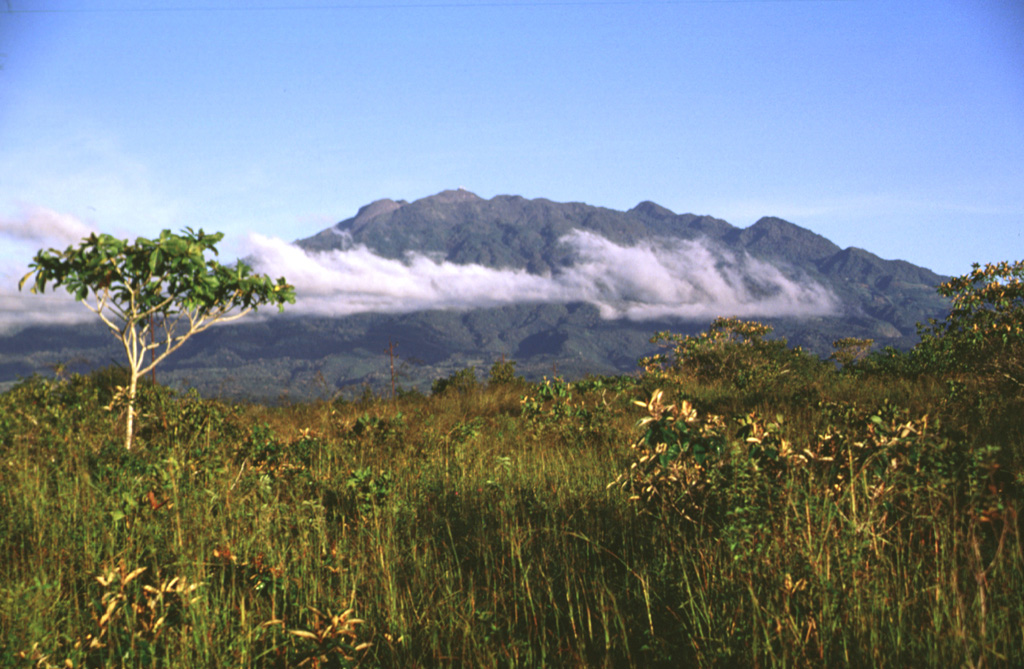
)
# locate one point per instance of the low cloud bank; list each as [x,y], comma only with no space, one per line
[673,279]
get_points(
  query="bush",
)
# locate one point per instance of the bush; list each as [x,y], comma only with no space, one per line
[733,353]
[462,381]
[503,373]
[850,350]
[984,332]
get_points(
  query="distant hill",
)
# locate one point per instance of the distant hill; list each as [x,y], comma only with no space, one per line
[302,356]
[885,299]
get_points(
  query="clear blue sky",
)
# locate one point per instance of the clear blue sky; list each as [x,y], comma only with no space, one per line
[893,126]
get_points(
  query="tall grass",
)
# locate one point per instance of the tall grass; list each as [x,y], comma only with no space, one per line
[476,527]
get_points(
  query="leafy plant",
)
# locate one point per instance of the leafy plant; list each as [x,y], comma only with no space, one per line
[503,373]
[984,331]
[462,381]
[671,459]
[379,429]
[850,350]
[131,617]
[730,351]
[368,489]
[330,637]
[165,283]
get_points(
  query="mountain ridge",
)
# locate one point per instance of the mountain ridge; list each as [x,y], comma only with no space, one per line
[510,231]
[308,355]
[769,235]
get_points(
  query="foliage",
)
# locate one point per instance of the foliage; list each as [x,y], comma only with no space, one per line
[690,466]
[870,520]
[984,332]
[265,453]
[672,458]
[577,414]
[462,381]
[894,363]
[167,283]
[731,352]
[551,397]
[850,350]
[503,373]
[369,490]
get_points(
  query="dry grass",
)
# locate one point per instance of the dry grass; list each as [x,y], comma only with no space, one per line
[477,528]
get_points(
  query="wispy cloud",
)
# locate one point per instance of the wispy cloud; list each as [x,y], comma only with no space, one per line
[672,279]
[692,280]
[21,235]
[42,227]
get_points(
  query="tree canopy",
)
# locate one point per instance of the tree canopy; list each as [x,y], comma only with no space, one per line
[166,284]
[984,331]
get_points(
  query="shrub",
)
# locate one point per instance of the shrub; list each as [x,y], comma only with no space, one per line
[503,373]
[983,335]
[850,350]
[462,381]
[732,352]
[671,459]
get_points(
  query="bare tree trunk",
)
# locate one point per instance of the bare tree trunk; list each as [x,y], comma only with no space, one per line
[131,409]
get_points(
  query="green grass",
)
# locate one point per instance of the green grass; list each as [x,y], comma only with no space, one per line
[476,527]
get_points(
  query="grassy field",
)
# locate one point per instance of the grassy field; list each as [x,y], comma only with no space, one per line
[778,511]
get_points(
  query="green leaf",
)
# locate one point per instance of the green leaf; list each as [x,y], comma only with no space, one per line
[140,276]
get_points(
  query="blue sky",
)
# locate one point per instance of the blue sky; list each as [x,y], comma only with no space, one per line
[892,126]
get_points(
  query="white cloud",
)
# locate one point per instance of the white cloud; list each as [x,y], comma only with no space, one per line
[44,227]
[357,280]
[674,279]
[668,279]
[21,235]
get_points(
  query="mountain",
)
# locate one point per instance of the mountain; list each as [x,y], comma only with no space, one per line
[612,279]
[885,298]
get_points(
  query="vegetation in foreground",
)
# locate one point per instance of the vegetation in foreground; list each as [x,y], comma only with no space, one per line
[739,503]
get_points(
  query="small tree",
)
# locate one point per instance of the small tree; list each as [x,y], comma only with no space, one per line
[732,352]
[166,282]
[726,351]
[462,381]
[850,350]
[503,373]
[983,335]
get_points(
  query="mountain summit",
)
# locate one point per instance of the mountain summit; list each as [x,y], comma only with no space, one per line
[512,232]
[870,296]
[456,280]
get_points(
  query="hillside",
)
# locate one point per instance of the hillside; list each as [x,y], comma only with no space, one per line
[622,275]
